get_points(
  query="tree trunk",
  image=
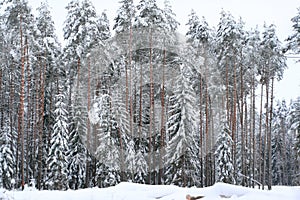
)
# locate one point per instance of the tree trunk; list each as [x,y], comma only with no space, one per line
[260,159]
[253,130]
[29,158]
[269,138]
[266,135]
[141,102]
[162,122]
[11,117]
[227,95]
[234,114]
[88,126]
[21,108]
[41,121]
[284,170]
[247,143]
[201,131]
[131,114]
[243,137]
[151,112]
[2,100]
[207,140]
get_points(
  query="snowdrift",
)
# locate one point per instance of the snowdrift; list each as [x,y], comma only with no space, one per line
[131,191]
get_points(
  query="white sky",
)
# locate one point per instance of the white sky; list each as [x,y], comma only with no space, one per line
[253,12]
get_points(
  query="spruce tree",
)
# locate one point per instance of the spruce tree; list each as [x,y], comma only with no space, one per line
[294,118]
[108,152]
[7,156]
[57,159]
[50,51]
[181,153]
[278,144]
[224,161]
[76,160]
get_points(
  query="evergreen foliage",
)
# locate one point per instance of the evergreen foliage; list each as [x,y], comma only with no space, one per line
[144,105]
[224,161]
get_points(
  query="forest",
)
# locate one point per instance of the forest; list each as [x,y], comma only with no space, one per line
[142,103]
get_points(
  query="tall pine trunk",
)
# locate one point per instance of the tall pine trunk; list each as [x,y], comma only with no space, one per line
[207,140]
[242,119]
[162,122]
[233,119]
[21,107]
[29,157]
[253,130]
[41,121]
[269,137]
[266,135]
[260,159]
[151,112]
[201,130]
[131,114]
[2,100]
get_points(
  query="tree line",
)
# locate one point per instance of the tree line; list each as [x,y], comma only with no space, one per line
[144,104]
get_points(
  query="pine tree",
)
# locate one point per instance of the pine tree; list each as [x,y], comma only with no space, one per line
[81,28]
[198,34]
[197,38]
[20,23]
[103,27]
[229,43]
[293,40]
[170,22]
[224,161]
[149,15]
[274,64]
[82,33]
[253,59]
[125,16]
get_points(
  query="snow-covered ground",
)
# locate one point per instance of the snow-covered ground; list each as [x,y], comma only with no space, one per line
[130,191]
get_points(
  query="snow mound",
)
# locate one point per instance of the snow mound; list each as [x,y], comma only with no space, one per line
[132,191]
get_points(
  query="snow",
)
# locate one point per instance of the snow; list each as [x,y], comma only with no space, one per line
[132,191]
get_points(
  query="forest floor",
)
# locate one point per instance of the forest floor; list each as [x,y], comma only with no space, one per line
[131,191]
